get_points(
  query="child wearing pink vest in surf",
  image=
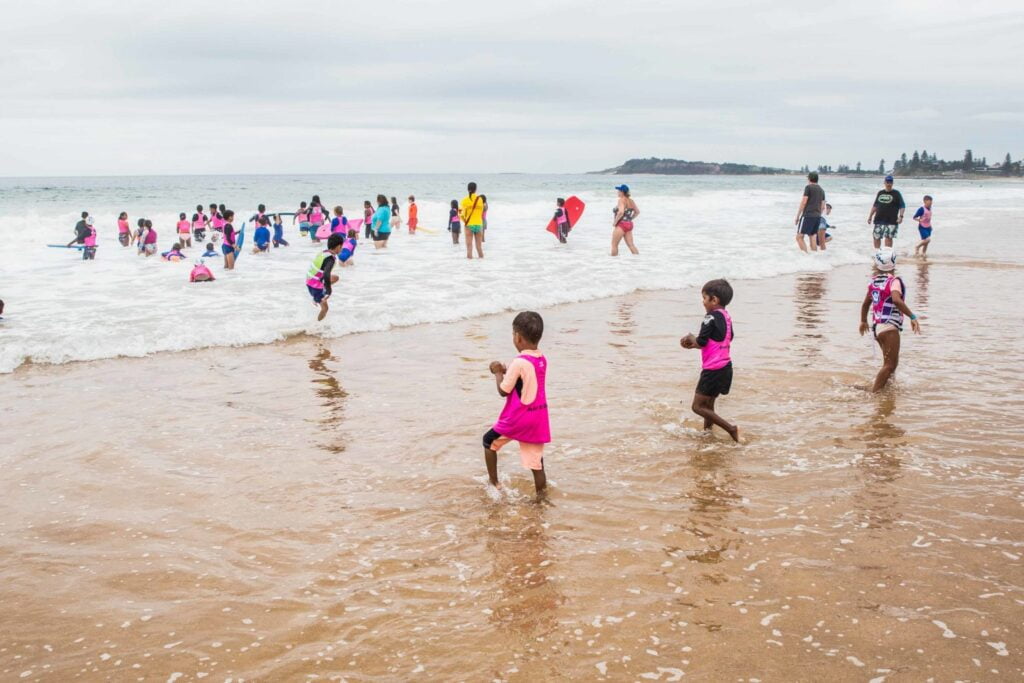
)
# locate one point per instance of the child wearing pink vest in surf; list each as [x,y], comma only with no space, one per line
[525,416]
[886,301]
[715,344]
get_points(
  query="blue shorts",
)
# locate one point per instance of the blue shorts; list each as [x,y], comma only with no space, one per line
[263,246]
[304,226]
[925,232]
[226,249]
[345,255]
[316,292]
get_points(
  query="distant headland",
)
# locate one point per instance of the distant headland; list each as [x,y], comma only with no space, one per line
[680,167]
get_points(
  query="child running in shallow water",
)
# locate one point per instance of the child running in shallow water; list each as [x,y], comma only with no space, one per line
[525,417]
[886,300]
[319,278]
[714,341]
[923,216]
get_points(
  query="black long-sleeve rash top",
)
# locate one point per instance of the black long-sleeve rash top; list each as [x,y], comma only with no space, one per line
[326,267]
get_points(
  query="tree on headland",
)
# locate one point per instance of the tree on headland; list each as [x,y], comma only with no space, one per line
[858,164]
[968,161]
[1007,165]
[881,166]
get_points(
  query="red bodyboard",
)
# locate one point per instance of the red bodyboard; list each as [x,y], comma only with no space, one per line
[574,207]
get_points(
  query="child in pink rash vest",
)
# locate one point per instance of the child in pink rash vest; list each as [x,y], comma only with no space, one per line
[715,342]
[525,416]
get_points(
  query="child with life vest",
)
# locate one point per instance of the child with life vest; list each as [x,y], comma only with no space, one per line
[886,301]
[562,220]
[319,277]
[199,224]
[348,249]
[454,221]
[525,416]
[200,273]
[175,254]
[923,216]
[261,236]
[414,215]
[184,231]
[714,341]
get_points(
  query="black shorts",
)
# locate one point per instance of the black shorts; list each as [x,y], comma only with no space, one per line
[381,236]
[489,438]
[715,382]
[810,225]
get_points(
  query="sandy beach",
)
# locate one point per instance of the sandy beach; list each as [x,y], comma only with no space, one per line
[316,508]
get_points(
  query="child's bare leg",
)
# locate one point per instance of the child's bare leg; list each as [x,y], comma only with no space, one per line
[704,406]
[924,245]
[708,423]
[889,342]
[821,240]
[491,458]
[323,311]
[540,479]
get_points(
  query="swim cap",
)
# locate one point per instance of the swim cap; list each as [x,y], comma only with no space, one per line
[885,259]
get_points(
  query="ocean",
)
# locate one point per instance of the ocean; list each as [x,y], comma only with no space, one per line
[61,309]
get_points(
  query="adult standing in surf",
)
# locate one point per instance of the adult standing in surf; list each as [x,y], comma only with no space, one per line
[808,215]
[622,226]
[381,223]
[472,211]
[886,214]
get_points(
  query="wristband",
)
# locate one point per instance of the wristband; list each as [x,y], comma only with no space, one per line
[913,317]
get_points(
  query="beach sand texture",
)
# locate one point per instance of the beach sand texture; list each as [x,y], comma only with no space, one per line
[317,507]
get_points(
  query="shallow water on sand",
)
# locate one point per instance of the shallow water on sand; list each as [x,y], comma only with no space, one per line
[317,507]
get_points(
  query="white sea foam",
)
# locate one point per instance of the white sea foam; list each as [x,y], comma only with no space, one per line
[61,309]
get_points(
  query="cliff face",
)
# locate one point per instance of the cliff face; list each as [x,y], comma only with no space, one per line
[680,167]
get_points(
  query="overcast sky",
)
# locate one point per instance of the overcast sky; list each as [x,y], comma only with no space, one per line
[321,86]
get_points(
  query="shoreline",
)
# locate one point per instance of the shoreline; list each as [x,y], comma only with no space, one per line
[317,506]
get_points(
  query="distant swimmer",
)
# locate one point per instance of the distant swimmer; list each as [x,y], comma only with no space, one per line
[472,211]
[174,254]
[140,230]
[825,225]
[483,217]
[217,219]
[184,230]
[414,216]
[808,215]
[525,416]
[200,273]
[382,223]
[626,212]
[317,217]
[454,222]
[261,236]
[923,216]
[319,277]
[210,253]
[886,214]
[279,240]
[124,230]
[886,301]
[715,343]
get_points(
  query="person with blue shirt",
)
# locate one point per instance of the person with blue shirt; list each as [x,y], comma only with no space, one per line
[382,223]
[261,237]
[279,240]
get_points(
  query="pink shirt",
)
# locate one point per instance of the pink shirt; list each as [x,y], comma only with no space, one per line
[522,369]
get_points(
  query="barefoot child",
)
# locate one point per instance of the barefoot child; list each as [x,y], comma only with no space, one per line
[261,236]
[561,220]
[199,224]
[525,416]
[714,341]
[319,277]
[228,245]
[923,216]
[367,220]
[414,215]
[886,301]
[124,231]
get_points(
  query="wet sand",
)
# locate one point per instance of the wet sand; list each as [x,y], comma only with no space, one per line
[316,509]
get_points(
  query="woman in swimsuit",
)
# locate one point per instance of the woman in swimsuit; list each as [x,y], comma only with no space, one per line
[622,226]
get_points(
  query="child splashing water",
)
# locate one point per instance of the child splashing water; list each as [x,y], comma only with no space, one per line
[525,416]
[714,341]
[886,300]
[319,277]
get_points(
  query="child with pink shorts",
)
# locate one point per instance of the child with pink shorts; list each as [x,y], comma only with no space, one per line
[525,416]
